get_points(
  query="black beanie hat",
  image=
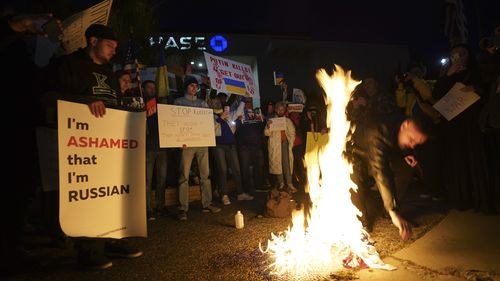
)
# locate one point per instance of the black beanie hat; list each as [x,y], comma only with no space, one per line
[100,31]
[189,80]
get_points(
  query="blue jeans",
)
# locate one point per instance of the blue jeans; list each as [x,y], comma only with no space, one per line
[251,156]
[226,154]
[187,155]
[156,161]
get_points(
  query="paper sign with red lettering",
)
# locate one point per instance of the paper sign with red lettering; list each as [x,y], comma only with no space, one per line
[180,126]
[229,76]
[102,171]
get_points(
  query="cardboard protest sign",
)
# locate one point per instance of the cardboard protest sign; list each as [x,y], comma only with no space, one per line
[101,172]
[295,107]
[458,99]
[229,76]
[73,29]
[185,126]
[277,124]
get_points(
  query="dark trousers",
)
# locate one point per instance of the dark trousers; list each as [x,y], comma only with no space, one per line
[226,156]
[251,164]
[364,199]
[299,177]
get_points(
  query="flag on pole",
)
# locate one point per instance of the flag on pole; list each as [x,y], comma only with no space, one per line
[162,77]
[131,66]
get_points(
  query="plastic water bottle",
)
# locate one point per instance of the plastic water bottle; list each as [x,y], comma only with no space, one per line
[239,222]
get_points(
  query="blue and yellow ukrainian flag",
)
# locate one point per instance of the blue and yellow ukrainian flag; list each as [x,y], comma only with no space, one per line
[235,86]
[162,77]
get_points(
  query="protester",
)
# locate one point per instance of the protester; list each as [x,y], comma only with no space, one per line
[188,153]
[379,153]
[250,139]
[280,144]
[465,170]
[86,76]
[225,150]
[156,157]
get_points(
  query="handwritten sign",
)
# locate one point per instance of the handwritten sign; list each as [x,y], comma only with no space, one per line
[455,101]
[230,76]
[102,169]
[184,125]
[277,124]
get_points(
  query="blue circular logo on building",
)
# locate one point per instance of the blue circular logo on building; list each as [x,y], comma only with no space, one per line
[218,43]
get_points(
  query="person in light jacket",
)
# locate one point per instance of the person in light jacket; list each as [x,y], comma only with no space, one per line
[280,144]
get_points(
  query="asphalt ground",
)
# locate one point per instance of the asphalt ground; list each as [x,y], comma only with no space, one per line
[208,246]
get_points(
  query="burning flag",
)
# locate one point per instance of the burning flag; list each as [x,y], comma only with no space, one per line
[331,237]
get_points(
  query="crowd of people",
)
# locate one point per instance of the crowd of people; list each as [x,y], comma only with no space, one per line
[397,137]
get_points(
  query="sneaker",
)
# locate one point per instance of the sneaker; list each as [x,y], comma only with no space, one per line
[182,215]
[225,200]
[121,249]
[151,216]
[245,196]
[210,209]
[93,261]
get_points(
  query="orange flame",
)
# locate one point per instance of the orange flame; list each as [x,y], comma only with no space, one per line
[321,243]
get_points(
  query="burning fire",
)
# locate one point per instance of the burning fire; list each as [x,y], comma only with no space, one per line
[331,237]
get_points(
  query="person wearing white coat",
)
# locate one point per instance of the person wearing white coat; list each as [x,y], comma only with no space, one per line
[280,145]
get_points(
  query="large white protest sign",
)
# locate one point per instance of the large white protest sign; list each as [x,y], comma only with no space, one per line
[277,124]
[185,126]
[230,76]
[102,190]
[458,99]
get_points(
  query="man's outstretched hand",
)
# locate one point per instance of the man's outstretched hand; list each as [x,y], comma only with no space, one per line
[403,226]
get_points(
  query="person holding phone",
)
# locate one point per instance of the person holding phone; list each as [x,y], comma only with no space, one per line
[466,175]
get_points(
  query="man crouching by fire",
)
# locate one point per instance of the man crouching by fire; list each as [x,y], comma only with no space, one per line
[380,152]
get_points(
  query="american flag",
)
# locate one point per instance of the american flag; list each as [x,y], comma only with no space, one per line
[131,65]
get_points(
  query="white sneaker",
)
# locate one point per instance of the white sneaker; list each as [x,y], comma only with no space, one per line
[245,196]
[225,200]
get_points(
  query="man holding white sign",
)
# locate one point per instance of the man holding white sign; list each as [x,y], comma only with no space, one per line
[86,76]
[188,153]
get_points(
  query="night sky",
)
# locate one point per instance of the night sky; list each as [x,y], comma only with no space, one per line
[417,24]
